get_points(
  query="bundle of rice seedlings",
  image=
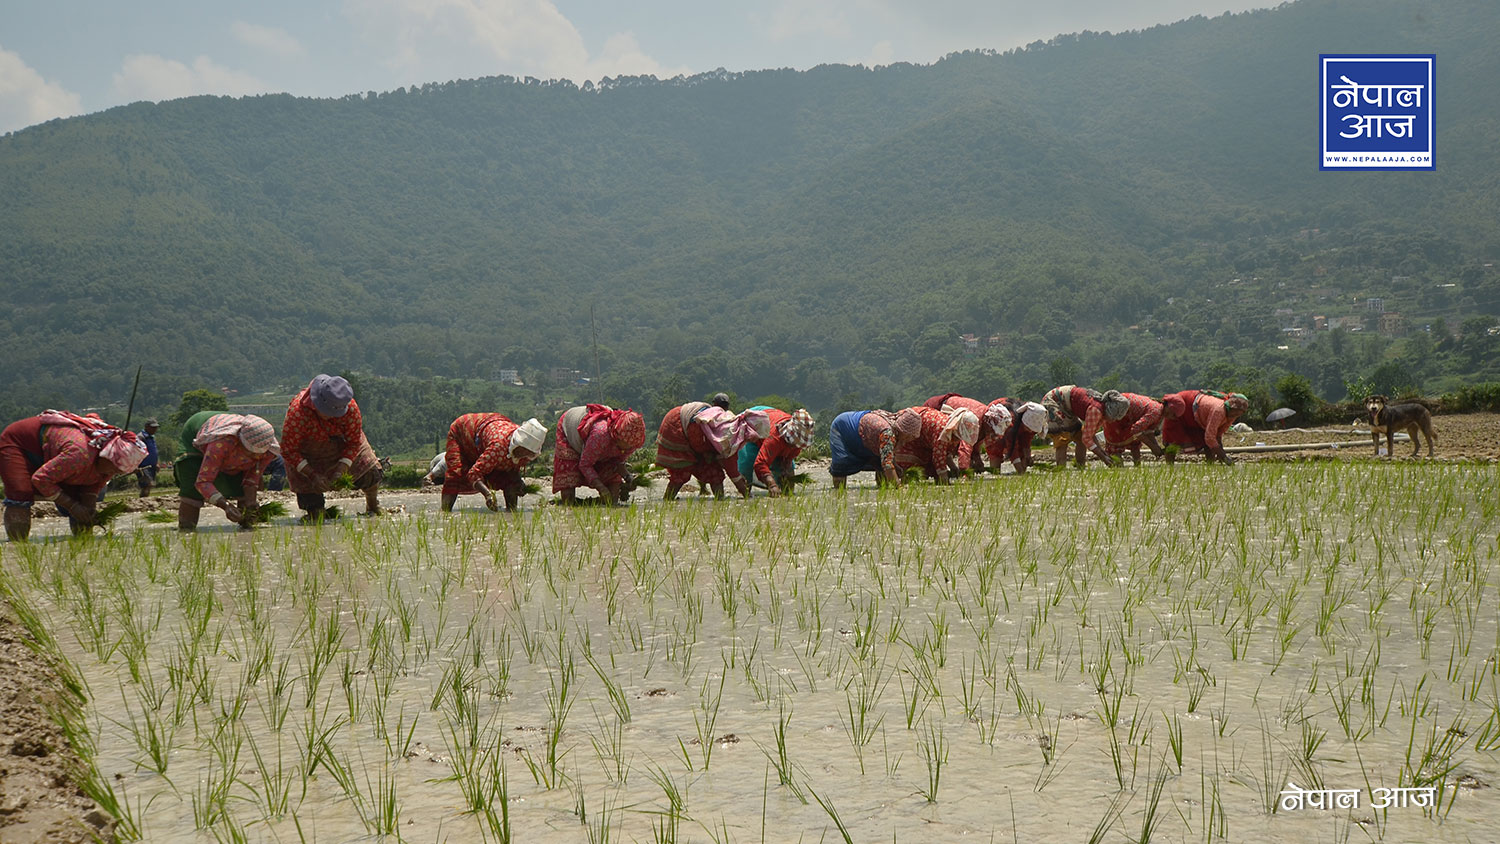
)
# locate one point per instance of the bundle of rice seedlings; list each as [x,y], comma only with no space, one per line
[157,517]
[635,478]
[266,512]
[270,510]
[106,515]
[795,481]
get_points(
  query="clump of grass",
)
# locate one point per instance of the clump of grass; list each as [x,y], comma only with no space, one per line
[157,517]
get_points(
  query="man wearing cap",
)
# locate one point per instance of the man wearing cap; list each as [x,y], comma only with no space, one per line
[145,474]
[487,450]
[437,470]
[721,401]
[323,437]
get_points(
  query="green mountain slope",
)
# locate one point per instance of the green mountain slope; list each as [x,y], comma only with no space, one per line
[853,218]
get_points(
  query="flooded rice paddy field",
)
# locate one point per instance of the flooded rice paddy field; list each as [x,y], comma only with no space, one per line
[1071,656]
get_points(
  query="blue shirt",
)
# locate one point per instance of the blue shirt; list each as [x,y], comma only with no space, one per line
[149,440]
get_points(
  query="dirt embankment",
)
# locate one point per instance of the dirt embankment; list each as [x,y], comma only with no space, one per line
[39,801]
[1466,436]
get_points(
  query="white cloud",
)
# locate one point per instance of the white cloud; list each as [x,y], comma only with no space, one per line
[27,99]
[436,40]
[821,18]
[881,54]
[623,56]
[267,39]
[151,77]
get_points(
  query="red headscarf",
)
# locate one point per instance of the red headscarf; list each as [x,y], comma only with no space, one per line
[626,427]
[120,447]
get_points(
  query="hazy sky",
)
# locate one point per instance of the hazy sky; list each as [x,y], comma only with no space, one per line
[65,57]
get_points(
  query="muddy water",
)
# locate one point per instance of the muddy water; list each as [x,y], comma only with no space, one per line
[1017,659]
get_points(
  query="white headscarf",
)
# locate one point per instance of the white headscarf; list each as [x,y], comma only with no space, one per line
[530,436]
[963,424]
[1033,417]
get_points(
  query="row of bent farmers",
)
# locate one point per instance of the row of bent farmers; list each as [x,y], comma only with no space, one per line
[67,459]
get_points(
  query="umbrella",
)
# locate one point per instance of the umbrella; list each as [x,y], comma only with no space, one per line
[1279,414]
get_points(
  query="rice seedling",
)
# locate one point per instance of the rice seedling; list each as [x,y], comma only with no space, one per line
[1151,819]
[1108,820]
[1174,739]
[833,815]
[934,751]
[859,717]
[676,801]
[339,653]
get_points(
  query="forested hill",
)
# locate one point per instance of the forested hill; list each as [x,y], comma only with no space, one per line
[828,232]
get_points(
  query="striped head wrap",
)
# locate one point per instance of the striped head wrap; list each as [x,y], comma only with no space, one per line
[254,433]
[1115,405]
[120,447]
[797,430]
[998,415]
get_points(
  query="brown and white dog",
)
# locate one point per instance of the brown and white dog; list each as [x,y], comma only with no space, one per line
[1388,419]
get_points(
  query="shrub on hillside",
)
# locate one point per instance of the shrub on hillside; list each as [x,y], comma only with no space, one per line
[1480,397]
[1297,393]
